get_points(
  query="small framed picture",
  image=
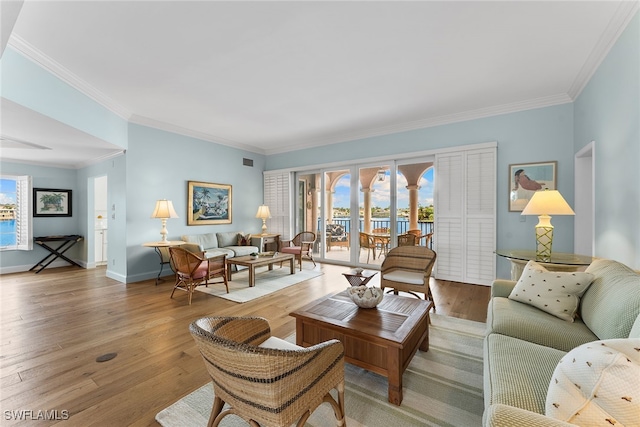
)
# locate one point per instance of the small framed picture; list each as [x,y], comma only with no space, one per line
[208,203]
[527,178]
[48,202]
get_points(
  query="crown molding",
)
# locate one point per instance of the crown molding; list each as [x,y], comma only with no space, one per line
[621,18]
[30,52]
[429,122]
[168,127]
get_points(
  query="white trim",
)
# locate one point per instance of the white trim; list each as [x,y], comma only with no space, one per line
[387,158]
[625,12]
[497,110]
[584,201]
[33,54]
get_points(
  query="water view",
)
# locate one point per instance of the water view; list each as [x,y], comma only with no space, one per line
[8,232]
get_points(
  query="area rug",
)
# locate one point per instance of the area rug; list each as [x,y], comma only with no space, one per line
[267,282]
[442,387]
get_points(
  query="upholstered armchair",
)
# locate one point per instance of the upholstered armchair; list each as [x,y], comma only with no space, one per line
[337,236]
[408,269]
[265,380]
[193,269]
[301,245]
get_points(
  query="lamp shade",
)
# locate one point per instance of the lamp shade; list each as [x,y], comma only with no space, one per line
[164,209]
[263,212]
[547,202]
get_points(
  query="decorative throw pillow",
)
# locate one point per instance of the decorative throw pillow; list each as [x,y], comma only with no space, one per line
[557,293]
[597,384]
[244,239]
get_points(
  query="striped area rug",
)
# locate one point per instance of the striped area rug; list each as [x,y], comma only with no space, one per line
[442,387]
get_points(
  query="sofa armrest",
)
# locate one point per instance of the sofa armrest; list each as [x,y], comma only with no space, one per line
[502,288]
[503,415]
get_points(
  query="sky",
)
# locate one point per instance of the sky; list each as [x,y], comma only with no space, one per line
[381,196]
[7,191]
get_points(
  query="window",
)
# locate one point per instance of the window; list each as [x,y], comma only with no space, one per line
[15,213]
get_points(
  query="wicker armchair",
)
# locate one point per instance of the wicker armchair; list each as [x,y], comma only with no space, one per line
[407,240]
[367,242]
[194,269]
[264,380]
[408,269]
[420,236]
[301,245]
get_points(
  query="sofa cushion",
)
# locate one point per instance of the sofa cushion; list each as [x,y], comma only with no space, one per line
[228,238]
[519,320]
[219,251]
[517,372]
[612,303]
[557,293]
[597,384]
[205,240]
[403,276]
[243,250]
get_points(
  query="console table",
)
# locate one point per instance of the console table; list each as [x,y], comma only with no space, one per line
[66,243]
[162,249]
[558,261]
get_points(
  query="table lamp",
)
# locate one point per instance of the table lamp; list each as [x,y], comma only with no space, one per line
[263,214]
[545,203]
[164,210]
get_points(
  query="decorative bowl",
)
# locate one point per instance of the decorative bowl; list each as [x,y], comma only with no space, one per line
[364,296]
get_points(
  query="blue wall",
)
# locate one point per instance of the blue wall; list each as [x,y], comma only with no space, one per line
[608,112]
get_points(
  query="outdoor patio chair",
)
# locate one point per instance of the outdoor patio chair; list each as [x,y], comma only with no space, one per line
[420,236]
[264,380]
[194,269]
[301,245]
[336,236]
[407,240]
[408,269]
[366,242]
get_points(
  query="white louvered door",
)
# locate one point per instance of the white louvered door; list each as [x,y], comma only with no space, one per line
[277,188]
[465,225]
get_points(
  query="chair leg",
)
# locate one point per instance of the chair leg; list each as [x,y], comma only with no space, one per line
[218,404]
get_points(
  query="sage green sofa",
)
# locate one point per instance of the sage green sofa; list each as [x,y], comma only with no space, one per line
[223,243]
[524,344]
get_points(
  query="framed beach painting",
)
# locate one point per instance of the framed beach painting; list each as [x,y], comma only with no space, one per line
[527,178]
[208,203]
[48,202]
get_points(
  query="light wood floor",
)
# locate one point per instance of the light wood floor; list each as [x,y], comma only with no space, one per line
[56,323]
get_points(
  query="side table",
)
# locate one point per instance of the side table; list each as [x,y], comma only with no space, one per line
[162,249]
[357,277]
[558,261]
[264,241]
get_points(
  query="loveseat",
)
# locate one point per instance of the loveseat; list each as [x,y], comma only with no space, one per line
[525,344]
[229,243]
[337,236]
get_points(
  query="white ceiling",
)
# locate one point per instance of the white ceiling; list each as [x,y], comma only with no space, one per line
[276,76]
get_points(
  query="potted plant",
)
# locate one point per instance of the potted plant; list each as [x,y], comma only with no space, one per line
[254,255]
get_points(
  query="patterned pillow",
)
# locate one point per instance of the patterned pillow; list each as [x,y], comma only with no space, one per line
[557,293]
[244,239]
[597,384]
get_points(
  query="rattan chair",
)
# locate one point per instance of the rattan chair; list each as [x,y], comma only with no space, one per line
[367,242]
[408,269]
[264,380]
[406,240]
[194,269]
[301,245]
[420,236]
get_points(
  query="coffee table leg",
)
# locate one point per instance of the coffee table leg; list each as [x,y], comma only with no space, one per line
[252,275]
[394,375]
[229,267]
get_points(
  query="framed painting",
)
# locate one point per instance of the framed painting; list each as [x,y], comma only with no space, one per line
[208,203]
[48,202]
[527,178]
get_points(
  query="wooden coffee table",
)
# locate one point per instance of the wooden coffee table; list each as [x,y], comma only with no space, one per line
[381,339]
[251,264]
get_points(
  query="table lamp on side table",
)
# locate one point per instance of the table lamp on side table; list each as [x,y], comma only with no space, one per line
[545,203]
[263,213]
[164,210]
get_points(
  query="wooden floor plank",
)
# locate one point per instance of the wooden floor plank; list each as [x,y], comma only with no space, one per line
[56,323]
